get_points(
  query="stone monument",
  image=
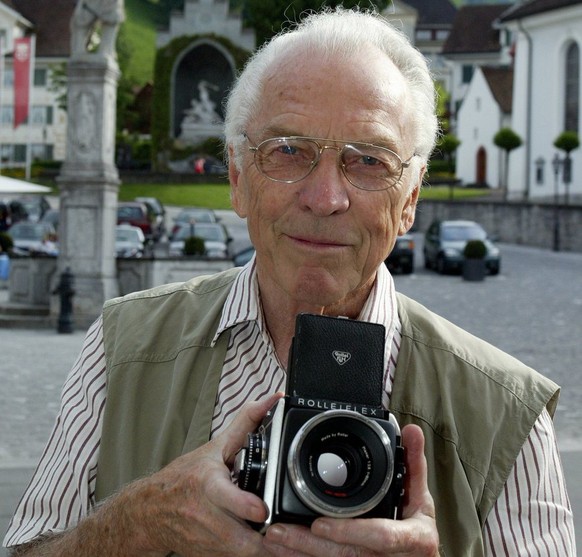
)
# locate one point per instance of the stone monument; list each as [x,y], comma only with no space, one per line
[89,181]
[201,120]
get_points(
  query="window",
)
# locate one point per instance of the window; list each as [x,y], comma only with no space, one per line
[6,114]
[40,77]
[41,115]
[41,151]
[19,153]
[423,35]
[467,73]
[8,77]
[572,88]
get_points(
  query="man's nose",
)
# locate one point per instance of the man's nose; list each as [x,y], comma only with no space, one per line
[325,190]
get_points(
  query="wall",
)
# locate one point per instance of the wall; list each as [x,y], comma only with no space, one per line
[514,223]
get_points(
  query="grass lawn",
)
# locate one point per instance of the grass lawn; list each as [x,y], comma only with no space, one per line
[445,193]
[217,196]
[213,196]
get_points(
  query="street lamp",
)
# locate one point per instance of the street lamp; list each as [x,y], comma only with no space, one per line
[540,163]
[567,177]
[557,166]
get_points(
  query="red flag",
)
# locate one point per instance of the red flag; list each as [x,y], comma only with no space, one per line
[22,61]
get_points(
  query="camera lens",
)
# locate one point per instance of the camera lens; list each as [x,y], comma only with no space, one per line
[340,463]
[332,469]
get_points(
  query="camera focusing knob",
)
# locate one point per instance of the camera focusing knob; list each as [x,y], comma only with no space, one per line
[251,462]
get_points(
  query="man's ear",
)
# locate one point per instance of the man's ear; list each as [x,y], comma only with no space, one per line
[409,209]
[237,195]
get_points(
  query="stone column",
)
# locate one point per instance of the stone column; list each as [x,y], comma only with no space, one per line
[89,184]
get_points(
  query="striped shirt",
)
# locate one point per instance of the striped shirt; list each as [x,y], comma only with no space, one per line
[532,517]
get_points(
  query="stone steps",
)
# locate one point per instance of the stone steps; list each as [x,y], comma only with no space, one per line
[21,316]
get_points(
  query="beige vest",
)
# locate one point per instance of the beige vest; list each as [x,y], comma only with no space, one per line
[475,404]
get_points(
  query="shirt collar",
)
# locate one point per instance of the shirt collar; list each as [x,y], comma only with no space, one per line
[243,303]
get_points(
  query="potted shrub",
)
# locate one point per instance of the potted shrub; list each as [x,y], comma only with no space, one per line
[474,253]
[194,245]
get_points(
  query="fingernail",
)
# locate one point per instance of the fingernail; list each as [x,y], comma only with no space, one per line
[276,533]
[321,527]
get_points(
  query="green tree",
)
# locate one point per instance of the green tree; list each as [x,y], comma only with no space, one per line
[447,145]
[567,141]
[268,17]
[507,140]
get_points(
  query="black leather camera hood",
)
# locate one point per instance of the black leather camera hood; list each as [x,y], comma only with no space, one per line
[334,358]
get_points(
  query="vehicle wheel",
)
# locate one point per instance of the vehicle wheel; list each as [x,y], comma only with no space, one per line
[408,268]
[495,270]
[441,266]
[427,264]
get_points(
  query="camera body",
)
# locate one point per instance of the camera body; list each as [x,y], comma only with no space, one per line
[328,448]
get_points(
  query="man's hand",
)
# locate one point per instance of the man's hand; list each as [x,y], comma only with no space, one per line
[190,507]
[415,535]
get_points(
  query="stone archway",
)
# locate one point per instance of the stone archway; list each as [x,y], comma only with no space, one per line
[481,166]
[201,78]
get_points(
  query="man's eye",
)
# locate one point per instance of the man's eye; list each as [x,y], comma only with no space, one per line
[288,150]
[369,161]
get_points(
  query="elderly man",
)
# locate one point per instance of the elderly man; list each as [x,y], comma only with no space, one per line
[329,129]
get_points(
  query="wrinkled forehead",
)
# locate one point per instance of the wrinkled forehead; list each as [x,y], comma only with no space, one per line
[352,91]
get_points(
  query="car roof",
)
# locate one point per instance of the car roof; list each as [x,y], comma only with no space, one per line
[459,222]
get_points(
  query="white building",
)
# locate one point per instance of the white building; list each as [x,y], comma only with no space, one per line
[474,41]
[427,23]
[45,131]
[547,93]
[486,109]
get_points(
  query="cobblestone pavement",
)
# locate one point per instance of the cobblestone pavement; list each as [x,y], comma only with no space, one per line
[533,310]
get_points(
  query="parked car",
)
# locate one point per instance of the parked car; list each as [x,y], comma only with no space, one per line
[193,214]
[29,207]
[33,238]
[244,256]
[156,208]
[215,236]
[129,241]
[137,214]
[445,241]
[401,258]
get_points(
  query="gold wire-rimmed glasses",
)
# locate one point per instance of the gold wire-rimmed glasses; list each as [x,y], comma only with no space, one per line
[291,159]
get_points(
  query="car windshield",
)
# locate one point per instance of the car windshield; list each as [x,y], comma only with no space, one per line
[197,216]
[28,232]
[457,233]
[129,213]
[124,235]
[212,233]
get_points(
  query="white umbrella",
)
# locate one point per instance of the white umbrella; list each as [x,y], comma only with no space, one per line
[12,185]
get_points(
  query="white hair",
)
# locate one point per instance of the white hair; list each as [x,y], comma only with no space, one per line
[336,32]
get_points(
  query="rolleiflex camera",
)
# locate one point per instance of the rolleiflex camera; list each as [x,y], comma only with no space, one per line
[328,448]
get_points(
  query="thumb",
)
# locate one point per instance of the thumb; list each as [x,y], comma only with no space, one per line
[246,421]
[418,499]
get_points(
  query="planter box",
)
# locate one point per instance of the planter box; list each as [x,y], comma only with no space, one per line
[474,269]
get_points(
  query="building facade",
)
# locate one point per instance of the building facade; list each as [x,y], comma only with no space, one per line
[44,133]
[547,94]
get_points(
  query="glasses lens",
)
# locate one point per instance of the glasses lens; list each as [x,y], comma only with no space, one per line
[371,168]
[286,159]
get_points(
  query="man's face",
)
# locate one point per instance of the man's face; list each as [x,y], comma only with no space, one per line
[320,241]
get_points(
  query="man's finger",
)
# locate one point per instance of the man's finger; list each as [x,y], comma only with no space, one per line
[418,497]
[247,420]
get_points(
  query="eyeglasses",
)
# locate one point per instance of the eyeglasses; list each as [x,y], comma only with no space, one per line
[291,159]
